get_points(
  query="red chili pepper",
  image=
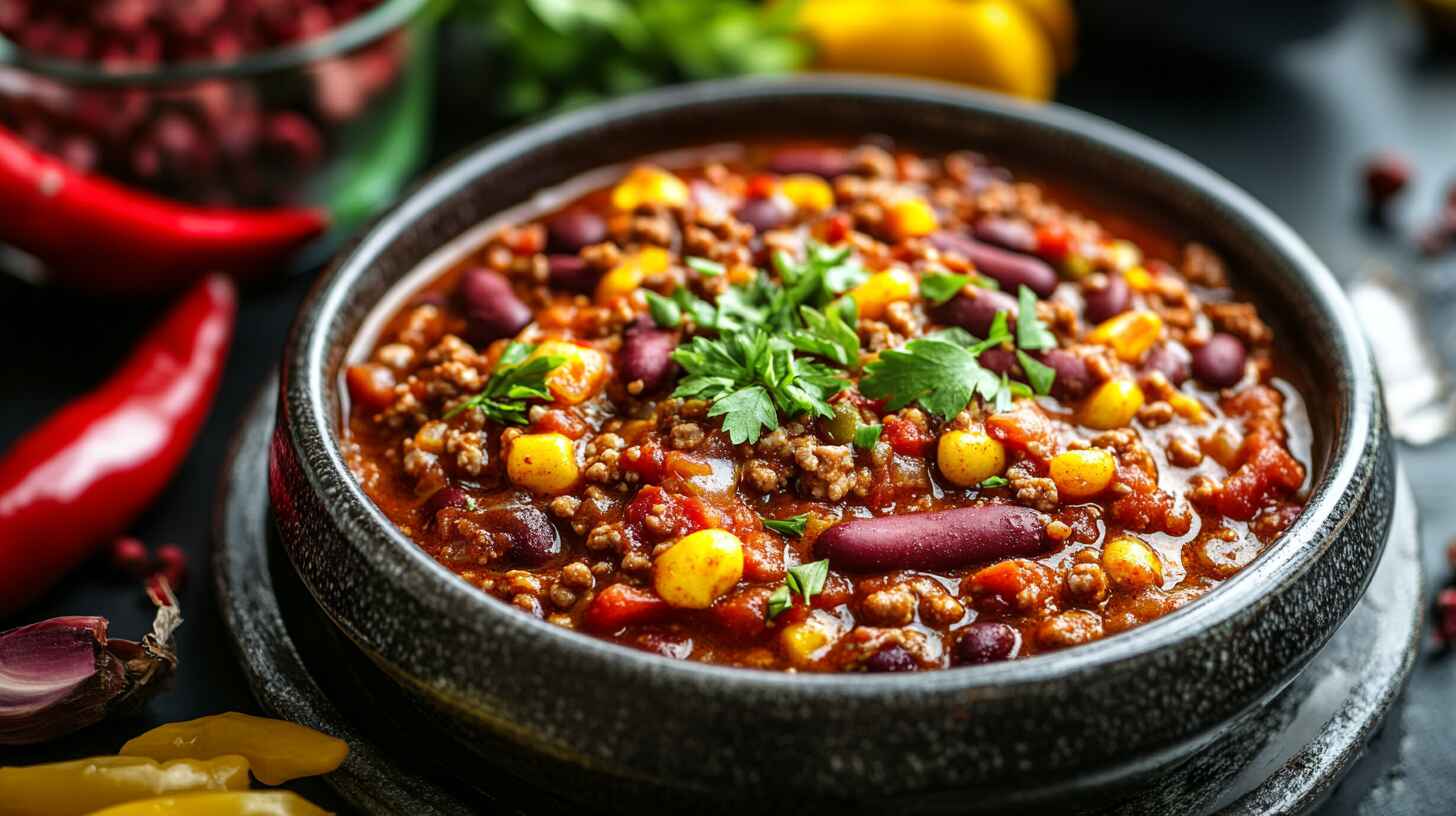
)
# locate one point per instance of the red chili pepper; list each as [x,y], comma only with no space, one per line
[86,473]
[97,234]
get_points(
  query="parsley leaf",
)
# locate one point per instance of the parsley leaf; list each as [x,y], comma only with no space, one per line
[807,579]
[995,481]
[939,287]
[746,412]
[1031,333]
[830,333]
[780,601]
[867,436]
[933,370]
[791,526]
[1039,374]
[518,377]
[665,311]
[703,266]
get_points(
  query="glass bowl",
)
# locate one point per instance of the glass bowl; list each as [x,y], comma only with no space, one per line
[338,121]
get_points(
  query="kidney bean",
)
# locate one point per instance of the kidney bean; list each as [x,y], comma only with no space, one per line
[943,539]
[819,161]
[646,355]
[448,496]
[1171,359]
[1106,301]
[534,540]
[491,305]
[571,272]
[892,658]
[575,228]
[985,642]
[1219,363]
[763,214]
[1006,233]
[975,313]
[1073,381]
[1010,269]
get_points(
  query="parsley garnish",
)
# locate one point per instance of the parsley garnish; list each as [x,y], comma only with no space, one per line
[805,580]
[938,371]
[938,287]
[665,312]
[517,378]
[867,436]
[791,526]
[703,266]
[830,333]
[751,377]
[1038,374]
[1031,333]
[824,272]
[995,481]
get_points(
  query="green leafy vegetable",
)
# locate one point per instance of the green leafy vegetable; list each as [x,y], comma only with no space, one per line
[517,378]
[940,374]
[703,266]
[995,481]
[665,311]
[792,526]
[751,377]
[1040,375]
[830,333]
[1031,333]
[804,580]
[942,286]
[867,436]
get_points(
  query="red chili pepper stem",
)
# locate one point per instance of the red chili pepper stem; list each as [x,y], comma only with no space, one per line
[96,234]
[86,473]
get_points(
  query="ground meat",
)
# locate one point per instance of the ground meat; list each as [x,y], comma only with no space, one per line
[1241,320]
[1031,490]
[828,470]
[1203,267]
[687,435]
[889,607]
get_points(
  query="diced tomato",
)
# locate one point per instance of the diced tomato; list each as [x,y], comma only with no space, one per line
[1269,471]
[837,228]
[371,385]
[763,557]
[1023,428]
[680,514]
[743,615]
[761,186]
[646,462]
[562,422]
[1053,242]
[619,606]
[837,590]
[1015,584]
[906,437]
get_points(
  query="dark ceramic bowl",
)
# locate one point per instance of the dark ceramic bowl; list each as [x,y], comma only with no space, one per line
[618,729]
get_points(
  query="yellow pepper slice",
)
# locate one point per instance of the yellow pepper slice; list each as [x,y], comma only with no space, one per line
[84,785]
[277,750]
[251,803]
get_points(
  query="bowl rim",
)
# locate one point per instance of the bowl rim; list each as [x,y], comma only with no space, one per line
[360,31]
[386,548]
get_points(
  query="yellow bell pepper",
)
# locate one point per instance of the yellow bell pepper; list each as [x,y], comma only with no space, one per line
[84,785]
[277,750]
[250,803]
[996,44]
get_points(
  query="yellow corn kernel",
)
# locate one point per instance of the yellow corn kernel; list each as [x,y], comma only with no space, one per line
[1188,407]
[1138,278]
[649,185]
[1131,564]
[430,438]
[544,462]
[624,278]
[967,458]
[698,569]
[883,288]
[1082,474]
[228,803]
[1122,255]
[1129,334]
[1076,266]
[912,218]
[580,376]
[807,192]
[804,642]
[1112,405]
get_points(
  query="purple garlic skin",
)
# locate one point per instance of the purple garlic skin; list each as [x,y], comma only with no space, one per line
[63,674]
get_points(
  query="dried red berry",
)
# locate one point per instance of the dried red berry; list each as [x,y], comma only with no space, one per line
[129,556]
[172,565]
[1446,616]
[1386,174]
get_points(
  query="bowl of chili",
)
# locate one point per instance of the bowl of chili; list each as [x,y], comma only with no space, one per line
[958,562]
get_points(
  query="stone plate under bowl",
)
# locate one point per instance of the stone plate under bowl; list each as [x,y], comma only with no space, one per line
[619,729]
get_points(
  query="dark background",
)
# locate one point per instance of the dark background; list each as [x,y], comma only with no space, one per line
[1293,129]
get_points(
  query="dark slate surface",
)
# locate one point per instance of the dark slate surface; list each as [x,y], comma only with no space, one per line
[1293,133]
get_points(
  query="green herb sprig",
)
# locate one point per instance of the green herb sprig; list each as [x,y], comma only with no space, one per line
[517,379]
[804,580]
[793,526]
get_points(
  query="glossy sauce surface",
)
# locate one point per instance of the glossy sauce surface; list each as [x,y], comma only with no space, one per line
[1165,456]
